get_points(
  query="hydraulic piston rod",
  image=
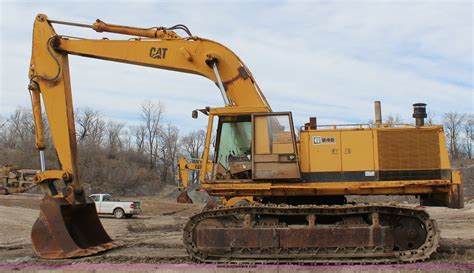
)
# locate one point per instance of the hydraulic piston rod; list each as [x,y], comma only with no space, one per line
[219,83]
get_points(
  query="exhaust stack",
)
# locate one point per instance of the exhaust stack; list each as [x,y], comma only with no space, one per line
[378,114]
[419,113]
[312,123]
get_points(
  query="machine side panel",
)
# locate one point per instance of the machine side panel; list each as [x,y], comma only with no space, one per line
[303,151]
[357,151]
[325,151]
[376,154]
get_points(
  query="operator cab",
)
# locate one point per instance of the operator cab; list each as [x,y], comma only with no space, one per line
[233,158]
[257,146]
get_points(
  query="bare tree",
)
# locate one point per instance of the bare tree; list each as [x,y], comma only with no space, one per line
[151,117]
[452,122]
[85,119]
[168,152]
[3,130]
[17,140]
[469,136]
[127,139]
[392,120]
[21,130]
[114,132]
[91,127]
[192,145]
[430,119]
[3,122]
[139,133]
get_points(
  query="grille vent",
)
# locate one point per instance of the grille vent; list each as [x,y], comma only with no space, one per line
[408,150]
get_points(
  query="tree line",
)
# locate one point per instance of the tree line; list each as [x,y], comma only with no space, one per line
[113,157]
[458,128]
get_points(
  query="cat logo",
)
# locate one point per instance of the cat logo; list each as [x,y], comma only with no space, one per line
[158,52]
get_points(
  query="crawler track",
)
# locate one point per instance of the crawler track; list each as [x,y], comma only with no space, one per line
[346,234]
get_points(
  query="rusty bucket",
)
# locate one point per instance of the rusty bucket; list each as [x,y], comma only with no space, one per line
[63,230]
[183,197]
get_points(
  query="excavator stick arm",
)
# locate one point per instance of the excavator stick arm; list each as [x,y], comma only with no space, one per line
[50,83]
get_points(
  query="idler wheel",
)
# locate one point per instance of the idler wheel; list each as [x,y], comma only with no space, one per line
[409,233]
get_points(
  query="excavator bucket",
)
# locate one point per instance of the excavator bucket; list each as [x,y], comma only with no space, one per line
[183,197]
[63,230]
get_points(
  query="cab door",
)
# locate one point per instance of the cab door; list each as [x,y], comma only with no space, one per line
[274,147]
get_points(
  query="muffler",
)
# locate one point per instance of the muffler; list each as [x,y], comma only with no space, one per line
[63,230]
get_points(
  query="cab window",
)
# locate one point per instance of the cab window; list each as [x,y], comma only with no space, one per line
[233,158]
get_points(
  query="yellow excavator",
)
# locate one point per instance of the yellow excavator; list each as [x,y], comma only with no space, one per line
[283,196]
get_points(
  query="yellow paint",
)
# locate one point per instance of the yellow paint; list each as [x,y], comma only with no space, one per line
[324,156]
[234,111]
[443,150]
[330,188]
[241,92]
[207,145]
[184,167]
[262,144]
[53,82]
[456,177]
[234,200]
[357,150]
[50,175]
[303,151]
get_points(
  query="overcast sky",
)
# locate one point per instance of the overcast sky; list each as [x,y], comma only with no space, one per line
[329,59]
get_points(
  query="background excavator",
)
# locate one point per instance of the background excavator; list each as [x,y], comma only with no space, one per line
[282,196]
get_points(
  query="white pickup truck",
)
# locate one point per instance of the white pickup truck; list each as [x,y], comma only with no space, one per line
[105,204]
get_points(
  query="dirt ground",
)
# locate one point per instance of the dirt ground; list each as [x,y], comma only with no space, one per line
[154,241]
